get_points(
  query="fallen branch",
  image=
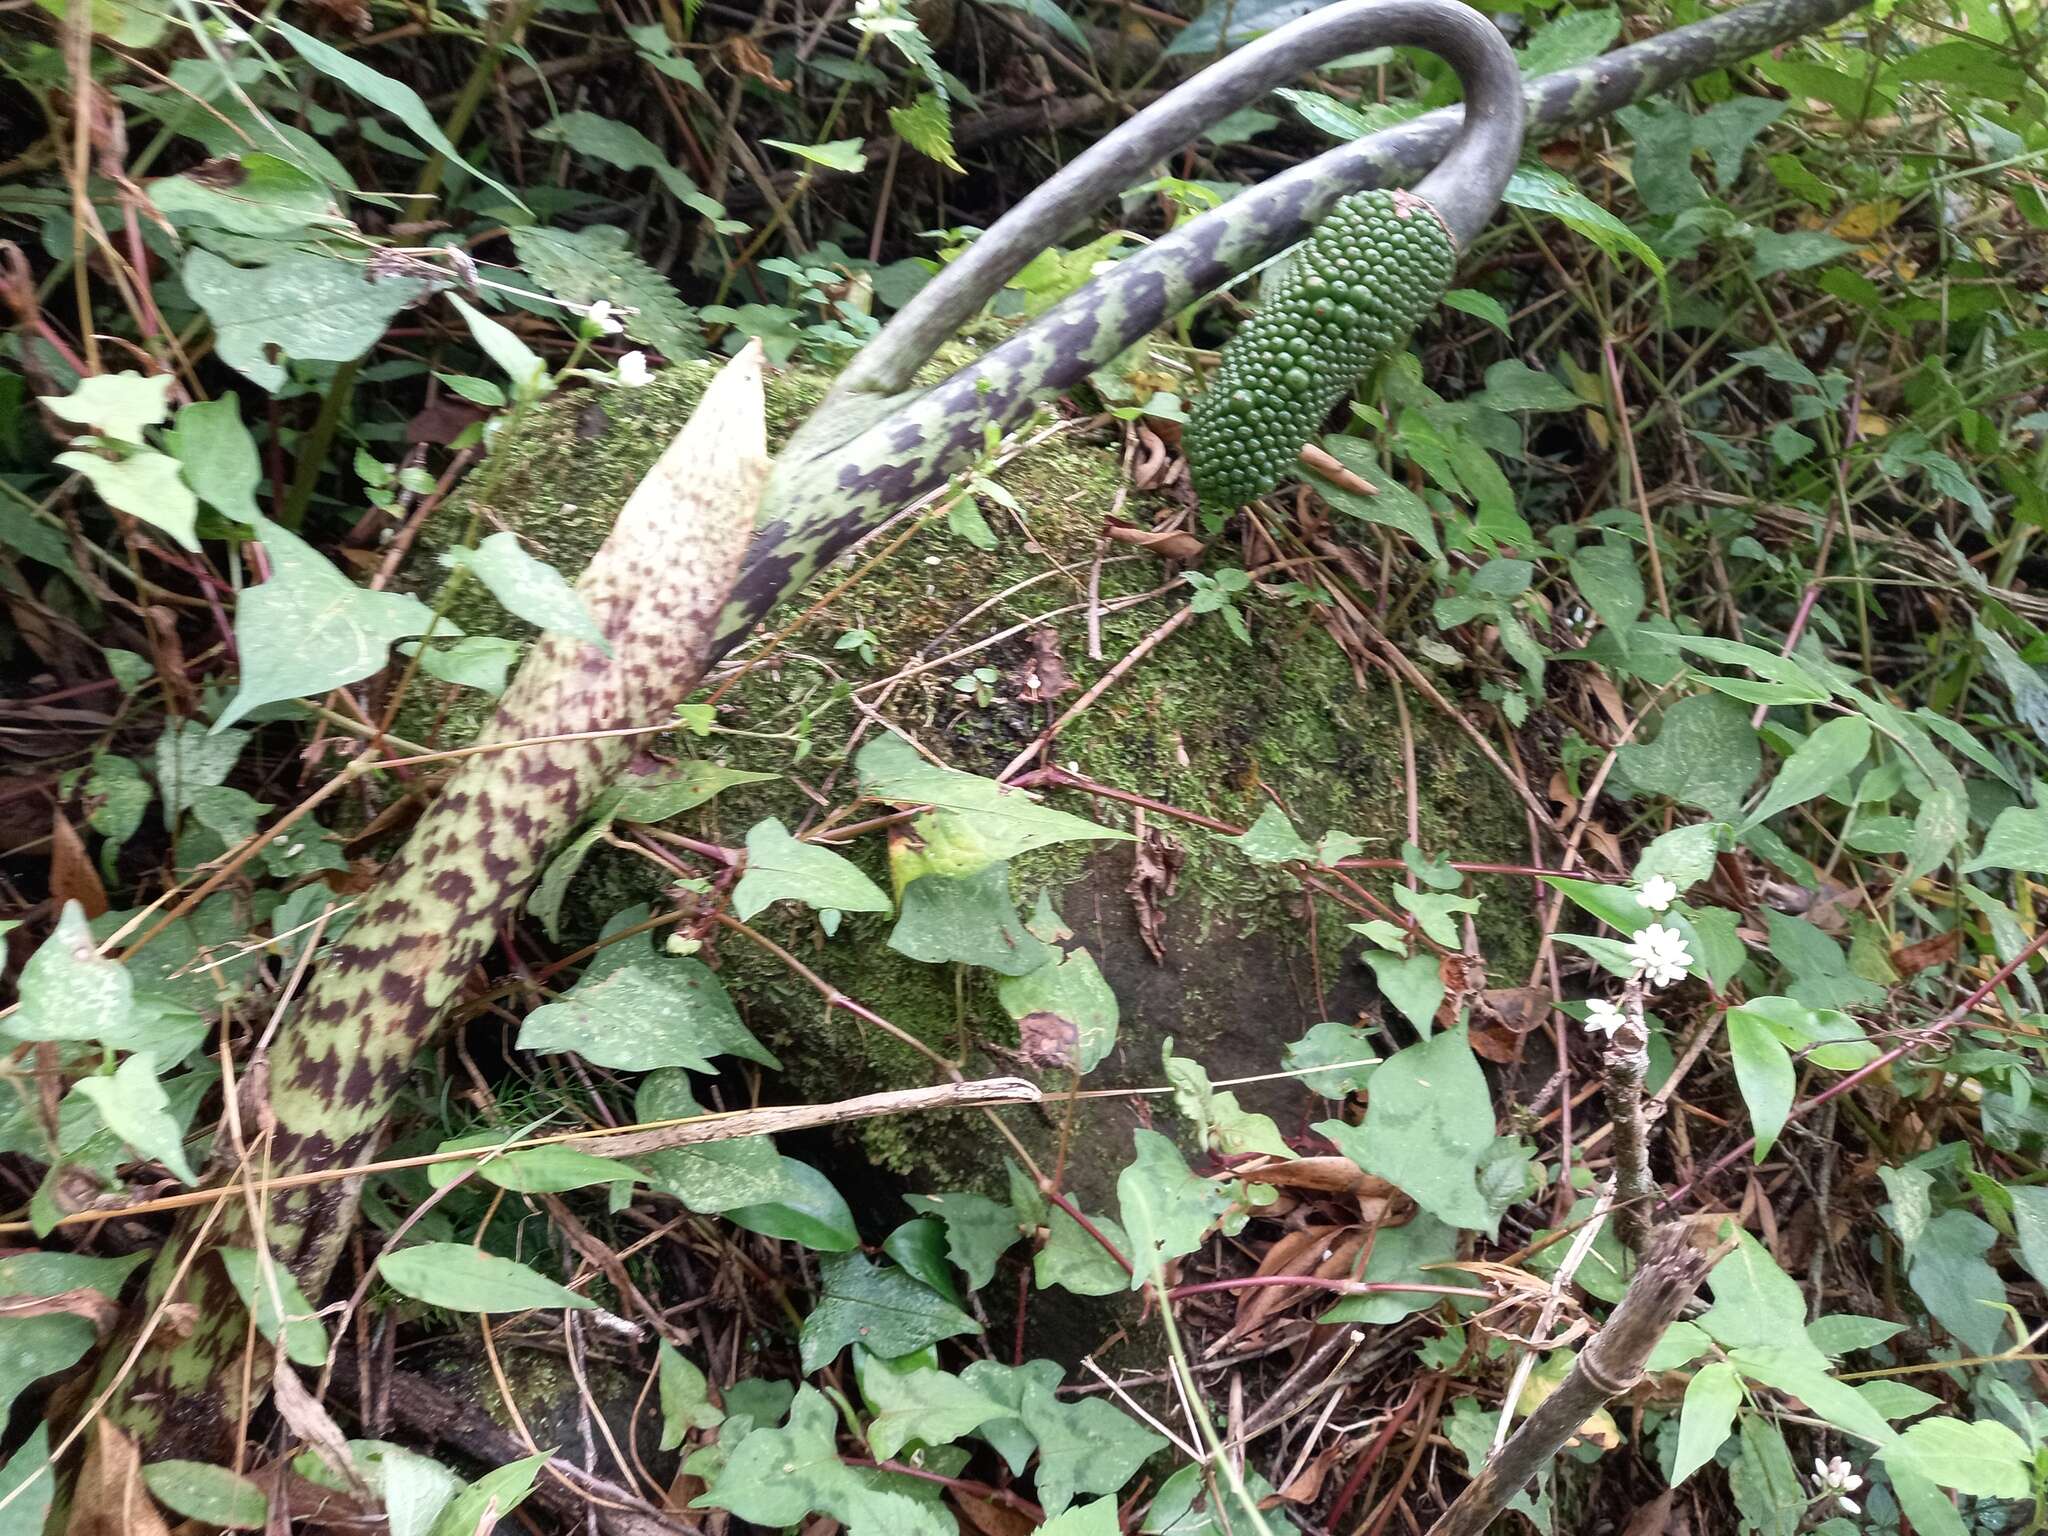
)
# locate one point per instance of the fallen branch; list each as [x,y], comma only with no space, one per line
[1663,1285]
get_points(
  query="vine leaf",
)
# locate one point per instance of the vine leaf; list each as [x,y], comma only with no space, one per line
[135,1108]
[881,1308]
[657,1012]
[116,405]
[1167,1209]
[779,868]
[978,1230]
[528,588]
[69,990]
[144,484]
[1002,822]
[317,309]
[913,1401]
[1428,1128]
[309,628]
[219,457]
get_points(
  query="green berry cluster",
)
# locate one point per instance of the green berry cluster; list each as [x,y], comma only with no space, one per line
[1356,287]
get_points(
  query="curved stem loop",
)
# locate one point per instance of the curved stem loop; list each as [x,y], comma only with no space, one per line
[1464,187]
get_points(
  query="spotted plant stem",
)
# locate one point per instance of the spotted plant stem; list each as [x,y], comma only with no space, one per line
[655,589]
[871,449]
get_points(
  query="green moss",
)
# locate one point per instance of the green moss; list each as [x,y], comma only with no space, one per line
[1205,723]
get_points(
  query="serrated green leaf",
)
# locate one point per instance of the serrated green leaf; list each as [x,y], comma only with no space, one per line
[584,265]
[1003,822]
[926,125]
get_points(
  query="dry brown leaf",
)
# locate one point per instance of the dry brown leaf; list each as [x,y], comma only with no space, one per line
[1166,543]
[1155,872]
[99,1310]
[1153,466]
[1046,1040]
[72,877]
[1519,1009]
[743,56]
[314,1425]
[990,1518]
[1293,1253]
[110,1499]
[1307,1484]
[1654,1518]
[1333,470]
[1928,953]
[1044,677]
[1330,1175]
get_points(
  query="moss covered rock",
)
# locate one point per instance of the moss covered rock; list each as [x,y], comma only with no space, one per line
[1205,723]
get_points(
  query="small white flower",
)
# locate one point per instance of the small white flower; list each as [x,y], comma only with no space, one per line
[1603,1017]
[605,317]
[231,34]
[1660,955]
[633,371]
[1835,1476]
[1657,894]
